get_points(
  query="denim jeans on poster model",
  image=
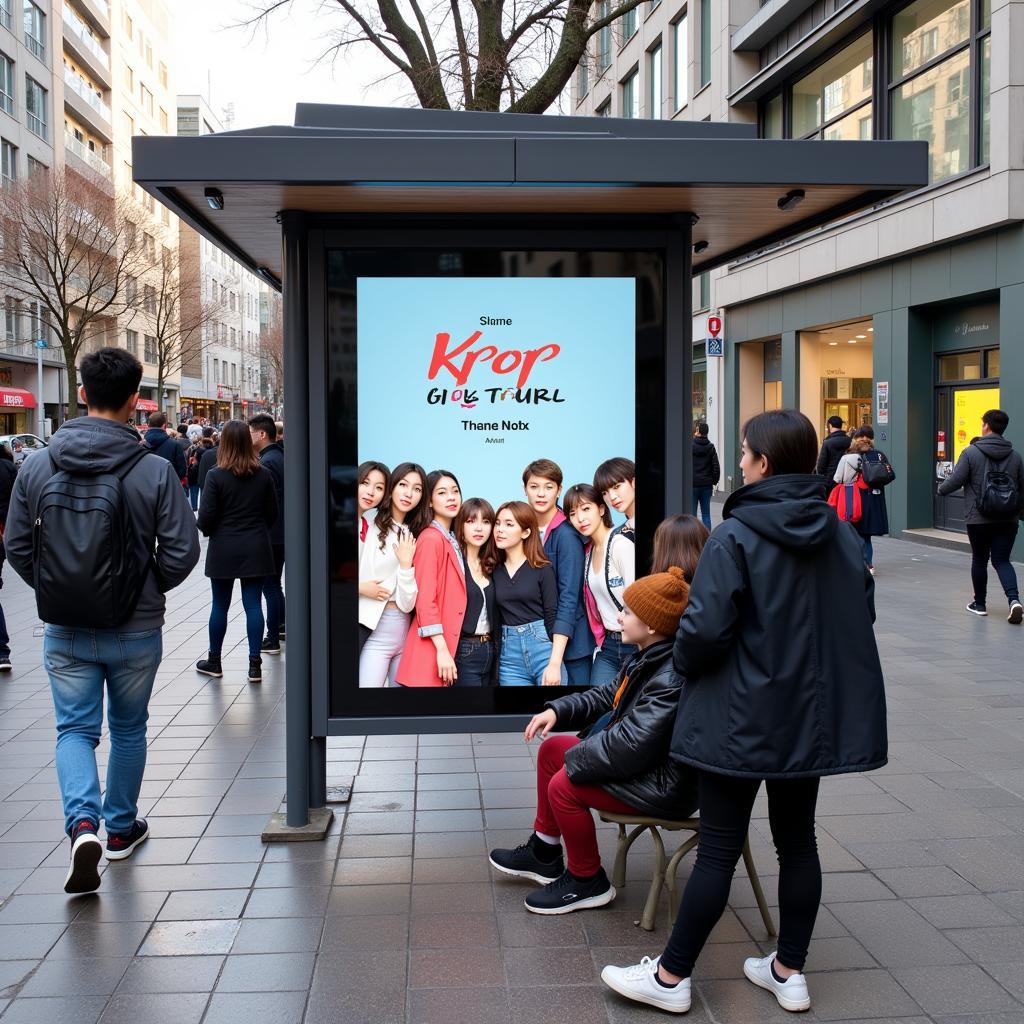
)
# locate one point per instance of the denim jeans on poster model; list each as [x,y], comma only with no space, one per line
[79,662]
[525,653]
[610,658]
[474,660]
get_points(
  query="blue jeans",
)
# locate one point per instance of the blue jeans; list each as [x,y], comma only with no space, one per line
[868,549]
[252,591]
[78,662]
[525,653]
[193,496]
[5,640]
[275,596]
[702,497]
[578,670]
[474,660]
[610,658]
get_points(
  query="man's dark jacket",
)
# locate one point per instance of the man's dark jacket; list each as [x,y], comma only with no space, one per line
[833,448]
[155,502]
[272,458]
[159,442]
[706,470]
[206,463]
[564,547]
[630,757]
[989,452]
[780,679]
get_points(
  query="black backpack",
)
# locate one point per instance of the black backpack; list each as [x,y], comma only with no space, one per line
[85,566]
[999,498]
[876,473]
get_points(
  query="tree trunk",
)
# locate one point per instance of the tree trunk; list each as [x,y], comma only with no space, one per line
[72,372]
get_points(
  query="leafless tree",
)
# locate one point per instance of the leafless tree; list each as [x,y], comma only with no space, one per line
[272,352]
[70,245]
[513,55]
[181,318]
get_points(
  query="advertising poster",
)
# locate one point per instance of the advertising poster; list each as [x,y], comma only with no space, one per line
[969,405]
[478,377]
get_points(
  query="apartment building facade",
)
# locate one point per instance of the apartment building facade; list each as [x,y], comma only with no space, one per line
[222,378]
[901,316]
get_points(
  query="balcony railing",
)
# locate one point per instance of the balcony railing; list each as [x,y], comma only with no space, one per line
[36,46]
[88,41]
[36,124]
[87,92]
[83,152]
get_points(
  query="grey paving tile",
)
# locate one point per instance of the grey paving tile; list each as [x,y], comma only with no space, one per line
[99,939]
[355,900]
[279,935]
[934,880]
[266,972]
[300,902]
[152,974]
[373,870]
[82,1009]
[896,935]
[975,911]
[189,938]
[76,978]
[990,945]
[181,1008]
[440,1006]
[18,941]
[451,968]
[201,904]
[13,972]
[968,989]
[581,1004]
[443,931]
[354,933]
[266,1007]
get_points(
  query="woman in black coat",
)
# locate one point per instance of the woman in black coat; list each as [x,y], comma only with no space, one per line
[236,512]
[782,684]
[8,474]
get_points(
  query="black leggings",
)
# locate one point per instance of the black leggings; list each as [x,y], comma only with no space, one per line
[995,541]
[725,806]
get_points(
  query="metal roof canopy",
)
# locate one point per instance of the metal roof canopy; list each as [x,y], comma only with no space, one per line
[380,161]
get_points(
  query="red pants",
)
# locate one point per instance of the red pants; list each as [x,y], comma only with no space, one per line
[563,808]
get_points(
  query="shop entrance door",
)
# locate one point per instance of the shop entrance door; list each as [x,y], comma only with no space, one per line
[854,412]
[958,412]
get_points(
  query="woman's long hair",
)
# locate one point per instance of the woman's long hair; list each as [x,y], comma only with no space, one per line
[527,520]
[366,468]
[679,540]
[418,518]
[471,507]
[236,453]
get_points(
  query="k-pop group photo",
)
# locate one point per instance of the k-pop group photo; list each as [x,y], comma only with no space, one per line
[455,593]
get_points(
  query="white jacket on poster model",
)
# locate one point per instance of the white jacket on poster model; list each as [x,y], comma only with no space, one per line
[375,564]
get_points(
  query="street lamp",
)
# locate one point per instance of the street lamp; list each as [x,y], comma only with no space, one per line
[40,344]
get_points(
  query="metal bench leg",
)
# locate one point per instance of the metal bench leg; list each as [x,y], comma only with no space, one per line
[660,863]
[621,853]
[670,877]
[755,884]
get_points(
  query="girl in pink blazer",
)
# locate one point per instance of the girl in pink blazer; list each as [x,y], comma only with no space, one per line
[429,655]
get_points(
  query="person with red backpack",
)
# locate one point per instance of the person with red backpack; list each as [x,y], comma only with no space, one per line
[100,580]
[867,469]
[992,476]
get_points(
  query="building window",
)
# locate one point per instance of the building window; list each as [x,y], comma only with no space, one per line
[164,122]
[149,299]
[10,318]
[680,58]
[6,83]
[654,90]
[582,79]
[931,82]
[131,289]
[604,37]
[145,99]
[771,118]
[163,75]
[131,342]
[129,27]
[628,25]
[129,78]
[630,96]
[605,110]
[834,100]
[986,105]
[705,42]
[5,14]
[702,292]
[149,246]
[35,30]
[35,107]
[8,162]
[150,343]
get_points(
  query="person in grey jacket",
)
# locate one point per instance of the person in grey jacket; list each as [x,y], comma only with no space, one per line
[82,663]
[990,538]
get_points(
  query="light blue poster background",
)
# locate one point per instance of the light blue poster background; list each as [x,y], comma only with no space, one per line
[592,322]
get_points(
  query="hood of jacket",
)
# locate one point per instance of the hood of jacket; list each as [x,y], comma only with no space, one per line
[994,446]
[701,442]
[156,436]
[91,444]
[789,510]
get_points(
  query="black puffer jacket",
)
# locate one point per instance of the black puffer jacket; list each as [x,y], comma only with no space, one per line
[833,448]
[630,758]
[706,470]
[782,678]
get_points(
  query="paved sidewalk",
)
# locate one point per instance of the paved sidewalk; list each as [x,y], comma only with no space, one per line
[397,918]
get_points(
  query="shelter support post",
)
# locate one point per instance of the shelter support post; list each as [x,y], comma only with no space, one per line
[679,366]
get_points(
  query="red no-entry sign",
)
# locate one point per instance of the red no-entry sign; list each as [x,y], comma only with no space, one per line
[714,326]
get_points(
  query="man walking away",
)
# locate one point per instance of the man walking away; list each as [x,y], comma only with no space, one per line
[147,526]
[264,440]
[706,472]
[992,476]
[833,448]
[159,442]
[209,457]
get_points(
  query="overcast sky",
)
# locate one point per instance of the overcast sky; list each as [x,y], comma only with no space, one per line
[267,72]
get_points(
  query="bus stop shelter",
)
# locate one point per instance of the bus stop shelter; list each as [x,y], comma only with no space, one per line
[369,218]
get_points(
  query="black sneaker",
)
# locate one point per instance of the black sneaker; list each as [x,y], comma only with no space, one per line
[280,632]
[535,860]
[1015,618]
[86,850]
[976,609]
[269,647]
[210,666]
[255,670]
[122,844]
[5,663]
[568,893]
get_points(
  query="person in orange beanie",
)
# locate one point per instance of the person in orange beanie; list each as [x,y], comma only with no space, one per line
[619,763]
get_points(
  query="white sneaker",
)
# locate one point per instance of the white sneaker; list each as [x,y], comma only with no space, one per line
[792,993]
[640,984]
[1016,615]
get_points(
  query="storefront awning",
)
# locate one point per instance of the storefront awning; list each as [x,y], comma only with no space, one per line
[146,405]
[16,398]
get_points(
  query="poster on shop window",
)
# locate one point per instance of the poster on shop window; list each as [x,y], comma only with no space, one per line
[463,384]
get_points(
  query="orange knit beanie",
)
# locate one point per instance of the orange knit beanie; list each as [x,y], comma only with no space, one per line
[659,600]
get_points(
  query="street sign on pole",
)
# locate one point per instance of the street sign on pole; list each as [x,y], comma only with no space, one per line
[715,336]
